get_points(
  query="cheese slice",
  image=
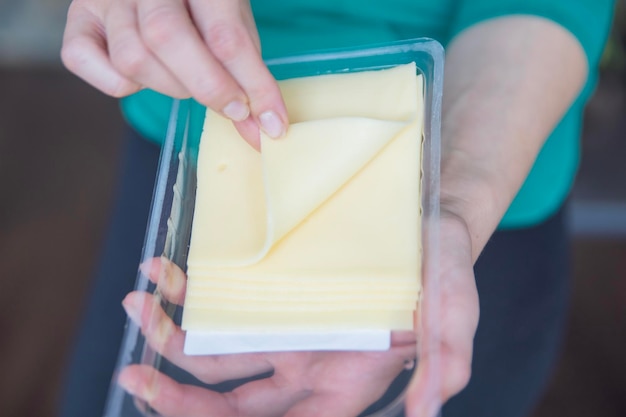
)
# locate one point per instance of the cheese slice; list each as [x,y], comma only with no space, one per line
[321,229]
[279,293]
[294,321]
[301,304]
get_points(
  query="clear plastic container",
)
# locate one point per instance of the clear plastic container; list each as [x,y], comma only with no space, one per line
[171,217]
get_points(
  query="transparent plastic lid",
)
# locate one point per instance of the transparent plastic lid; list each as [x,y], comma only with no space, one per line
[154,377]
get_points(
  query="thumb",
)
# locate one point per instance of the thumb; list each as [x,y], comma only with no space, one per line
[449,319]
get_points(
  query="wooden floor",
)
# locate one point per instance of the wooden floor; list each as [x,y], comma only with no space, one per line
[59,146]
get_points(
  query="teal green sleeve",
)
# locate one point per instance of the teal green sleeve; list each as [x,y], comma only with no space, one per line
[295,26]
[553,173]
[587,20]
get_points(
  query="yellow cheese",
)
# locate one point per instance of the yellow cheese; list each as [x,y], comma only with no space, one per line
[298,304]
[330,212]
[253,306]
[278,292]
[245,321]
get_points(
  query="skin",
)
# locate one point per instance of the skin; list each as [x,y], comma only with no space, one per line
[302,384]
[508,82]
[122,46]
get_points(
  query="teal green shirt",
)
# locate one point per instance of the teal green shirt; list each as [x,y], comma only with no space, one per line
[290,27]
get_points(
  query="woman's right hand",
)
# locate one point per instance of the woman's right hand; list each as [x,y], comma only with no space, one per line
[205,49]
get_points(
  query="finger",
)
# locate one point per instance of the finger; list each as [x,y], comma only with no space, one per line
[435,382]
[170,398]
[170,279]
[249,130]
[327,405]
[447,340]
[84,52]
[168,339]
[400,338]
[227,32]
[168,31]
[423,395]
[250,23]
[405,352]
[262,398]
[439,376]
[131,57]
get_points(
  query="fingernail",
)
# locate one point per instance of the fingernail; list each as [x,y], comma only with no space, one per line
[132,309]
[237,111]
[128,384]
[135,387]
[271,124]
[146,267]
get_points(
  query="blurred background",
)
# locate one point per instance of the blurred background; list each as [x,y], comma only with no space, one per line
[59,146]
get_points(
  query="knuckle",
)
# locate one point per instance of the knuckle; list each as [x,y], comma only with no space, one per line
[226,41]
[77,9]
[122,88]
[128,58]
[73,9]
[264,93]
[158,25]
[74,54]
[211,92]
[163,333]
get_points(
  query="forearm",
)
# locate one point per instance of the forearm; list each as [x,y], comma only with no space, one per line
[508,82]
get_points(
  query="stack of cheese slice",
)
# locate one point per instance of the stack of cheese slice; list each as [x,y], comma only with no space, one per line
[320,232]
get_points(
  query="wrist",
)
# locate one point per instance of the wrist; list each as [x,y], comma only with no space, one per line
[475,201]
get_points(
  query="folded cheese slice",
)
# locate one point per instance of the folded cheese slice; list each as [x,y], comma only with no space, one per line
[321,229]
[297,175]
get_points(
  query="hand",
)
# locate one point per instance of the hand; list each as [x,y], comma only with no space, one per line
[447,339]
[311,383]
[302,384]
[205,49]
